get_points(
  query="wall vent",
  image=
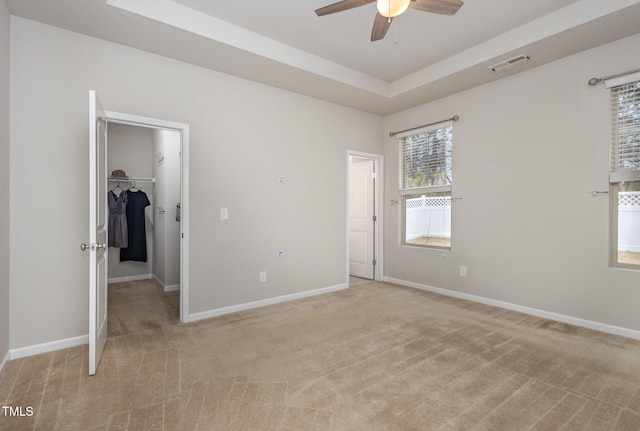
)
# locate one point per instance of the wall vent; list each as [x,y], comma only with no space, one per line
[508,64]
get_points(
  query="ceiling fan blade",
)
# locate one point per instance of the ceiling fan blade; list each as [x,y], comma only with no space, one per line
[380,26]
[444,7]
[341,5]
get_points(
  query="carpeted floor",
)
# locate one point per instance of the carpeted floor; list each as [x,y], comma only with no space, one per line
[372,357]
[136,306]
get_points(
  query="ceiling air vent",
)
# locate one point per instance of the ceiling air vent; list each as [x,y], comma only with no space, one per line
[508,64]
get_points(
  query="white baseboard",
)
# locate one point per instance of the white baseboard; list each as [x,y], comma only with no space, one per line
[576,321]
[23,352]
[160,282]
[263,302]
[130,278]
[6,359]
[168,288]
[172,288]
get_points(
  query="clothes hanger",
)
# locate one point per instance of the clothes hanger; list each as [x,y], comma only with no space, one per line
[133,188]
[115,191]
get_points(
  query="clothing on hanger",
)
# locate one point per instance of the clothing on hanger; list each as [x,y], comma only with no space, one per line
[136,250]
[118,233]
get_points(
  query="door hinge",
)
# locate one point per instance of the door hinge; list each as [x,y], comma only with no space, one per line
[374,175]
[374,262]
[181,235]
[374,218]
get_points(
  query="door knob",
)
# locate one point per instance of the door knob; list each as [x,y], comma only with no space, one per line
[85,247]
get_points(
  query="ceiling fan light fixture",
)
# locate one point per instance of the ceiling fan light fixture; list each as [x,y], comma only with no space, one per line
[392,8]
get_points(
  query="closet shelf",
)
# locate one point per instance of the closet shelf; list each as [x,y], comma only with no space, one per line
[141,179]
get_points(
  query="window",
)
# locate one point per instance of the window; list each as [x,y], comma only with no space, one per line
[425,186]
[624,177]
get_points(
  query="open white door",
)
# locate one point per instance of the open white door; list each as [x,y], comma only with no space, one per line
[97,246]
[361,217]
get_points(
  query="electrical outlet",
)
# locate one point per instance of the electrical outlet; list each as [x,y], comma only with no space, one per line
[263,277]
[463,271]
[224,213]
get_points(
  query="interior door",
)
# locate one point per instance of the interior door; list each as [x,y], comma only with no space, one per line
[361,217]
[97,246]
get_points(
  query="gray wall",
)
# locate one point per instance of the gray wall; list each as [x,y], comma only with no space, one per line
[528,149]
[4,181]
[526,228]
[243,137]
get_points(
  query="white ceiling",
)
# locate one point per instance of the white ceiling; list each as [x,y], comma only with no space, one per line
[283,43]
[423,38]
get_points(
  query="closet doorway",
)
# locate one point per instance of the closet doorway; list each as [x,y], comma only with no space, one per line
[147,159]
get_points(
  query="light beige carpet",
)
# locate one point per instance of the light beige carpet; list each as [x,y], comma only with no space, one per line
[373,357]
[136,306]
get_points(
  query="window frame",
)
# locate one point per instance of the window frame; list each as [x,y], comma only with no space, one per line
[614,209]
[403,224]
[411,192]
[618,173]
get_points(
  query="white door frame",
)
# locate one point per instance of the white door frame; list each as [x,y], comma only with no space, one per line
[183,129]
[378,159]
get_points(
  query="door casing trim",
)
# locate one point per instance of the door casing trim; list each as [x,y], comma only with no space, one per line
[379,197]
[183,129]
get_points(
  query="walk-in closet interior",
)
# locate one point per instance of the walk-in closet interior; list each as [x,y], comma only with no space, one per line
[143,165]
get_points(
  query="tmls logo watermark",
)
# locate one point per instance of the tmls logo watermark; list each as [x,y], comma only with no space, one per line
[17,411]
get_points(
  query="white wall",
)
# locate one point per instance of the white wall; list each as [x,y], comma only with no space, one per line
[243,137]
[171,199]
[130,148]
[528,149]
[158,218]
[4,181]
[166,233]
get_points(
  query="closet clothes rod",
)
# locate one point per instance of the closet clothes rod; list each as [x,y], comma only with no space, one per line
[141,179]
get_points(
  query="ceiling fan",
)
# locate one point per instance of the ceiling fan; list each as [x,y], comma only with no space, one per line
[388,9]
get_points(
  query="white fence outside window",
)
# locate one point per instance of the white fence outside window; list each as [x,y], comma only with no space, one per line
[431,216]
[629,221]
[428,216]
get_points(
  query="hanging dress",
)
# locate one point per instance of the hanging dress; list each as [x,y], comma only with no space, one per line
[118,233]
[136,250]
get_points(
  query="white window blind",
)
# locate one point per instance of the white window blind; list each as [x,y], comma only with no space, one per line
[425,158]
[625,132]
